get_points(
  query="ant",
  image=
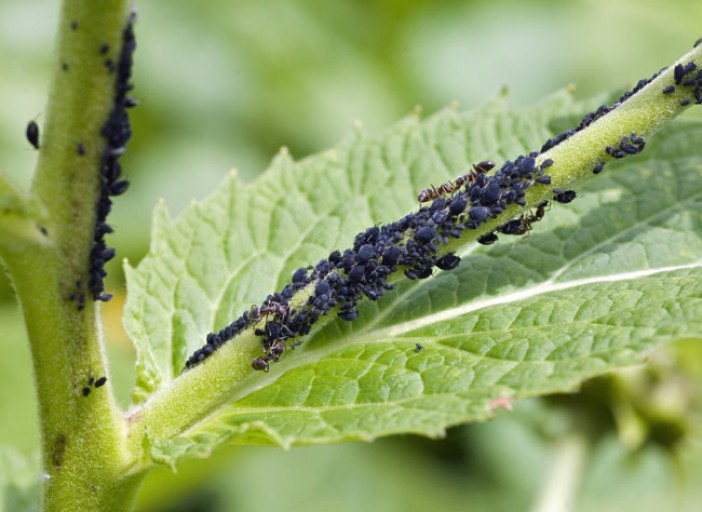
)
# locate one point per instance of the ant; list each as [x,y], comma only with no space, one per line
[429,194]
[523,224]
[257,313]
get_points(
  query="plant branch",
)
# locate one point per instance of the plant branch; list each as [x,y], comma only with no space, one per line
[82,429]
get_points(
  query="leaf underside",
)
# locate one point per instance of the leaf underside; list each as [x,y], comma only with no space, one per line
[597,285]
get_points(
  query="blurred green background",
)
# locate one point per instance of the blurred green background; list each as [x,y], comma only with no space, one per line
[225,84]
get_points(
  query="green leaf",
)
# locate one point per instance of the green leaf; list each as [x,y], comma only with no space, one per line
[596,286]
[17,216]
[20,485]
[11,201]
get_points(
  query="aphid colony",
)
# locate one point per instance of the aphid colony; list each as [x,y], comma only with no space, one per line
[590,118]
[117,132]
[342,280]
[686,80]
[629,145]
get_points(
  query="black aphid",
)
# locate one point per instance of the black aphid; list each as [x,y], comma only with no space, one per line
[33,134]
[80,149]
[425,234]
[348,315]
[563,196]
[488,239]
[118,187]
[300,275]
[448,262]
[100,382]
[322,289]
[366,252]
[457,206]
[86,391]
[479,213]
[357,274]
[418,347]
[104,48]
[598,168]
[669,90]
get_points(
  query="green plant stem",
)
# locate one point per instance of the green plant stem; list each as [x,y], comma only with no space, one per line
[562,480]
[83,435]
[198,393]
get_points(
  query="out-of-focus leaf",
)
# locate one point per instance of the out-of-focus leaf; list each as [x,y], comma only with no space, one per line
[20,486]
[18,404]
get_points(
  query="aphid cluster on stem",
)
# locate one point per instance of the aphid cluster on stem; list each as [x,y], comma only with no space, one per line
[116,132]
[629,145]
[686,78]
[591,117]
[339,282]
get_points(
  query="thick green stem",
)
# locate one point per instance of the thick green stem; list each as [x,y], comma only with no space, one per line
[198,393]
[85,461]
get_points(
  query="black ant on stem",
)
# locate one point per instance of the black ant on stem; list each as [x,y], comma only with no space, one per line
[275,309]
[429,194]
[523,224]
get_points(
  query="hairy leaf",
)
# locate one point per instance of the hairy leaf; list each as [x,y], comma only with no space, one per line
[596,286]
